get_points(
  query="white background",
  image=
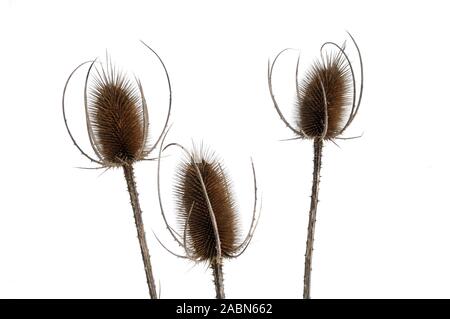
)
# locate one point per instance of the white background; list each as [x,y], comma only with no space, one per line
[383,219]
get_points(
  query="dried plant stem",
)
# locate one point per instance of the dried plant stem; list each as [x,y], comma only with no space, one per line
[216,266]
[318,144]
[129,176]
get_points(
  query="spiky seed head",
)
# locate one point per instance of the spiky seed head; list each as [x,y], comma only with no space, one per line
[327,80]
[193,213]
[117,117]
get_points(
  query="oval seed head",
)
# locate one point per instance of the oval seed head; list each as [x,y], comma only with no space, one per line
[117,117]
[193,208]
[324,97]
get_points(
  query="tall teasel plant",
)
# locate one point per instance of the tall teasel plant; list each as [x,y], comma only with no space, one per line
[206,212]
[118,129]
[327,103]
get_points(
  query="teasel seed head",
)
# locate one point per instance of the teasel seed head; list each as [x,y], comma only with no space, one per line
[206,209]
[116,115]
[201,186]
[326,101]
[324,97]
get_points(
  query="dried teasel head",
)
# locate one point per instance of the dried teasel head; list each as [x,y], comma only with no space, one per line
[204,198]
[323,98]
[206,210]
[116,115]
[326,98]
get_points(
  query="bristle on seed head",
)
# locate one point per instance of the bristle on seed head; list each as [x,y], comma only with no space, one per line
[324,98]
[117,116]
[203,191]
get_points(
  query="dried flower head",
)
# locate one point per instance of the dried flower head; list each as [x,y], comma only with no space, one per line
[323,98]
[116,115]
[206,208]
[204,197]
[326,101]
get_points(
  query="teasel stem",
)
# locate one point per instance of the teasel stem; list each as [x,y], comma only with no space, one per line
[216,266]
[134,198]
[318,144]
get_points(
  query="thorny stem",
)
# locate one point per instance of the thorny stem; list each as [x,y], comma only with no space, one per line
[318,144]
[216,266]
[129,176]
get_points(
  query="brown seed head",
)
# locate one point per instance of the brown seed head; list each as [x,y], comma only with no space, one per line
[324,97]
[117,117]
[193,211]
